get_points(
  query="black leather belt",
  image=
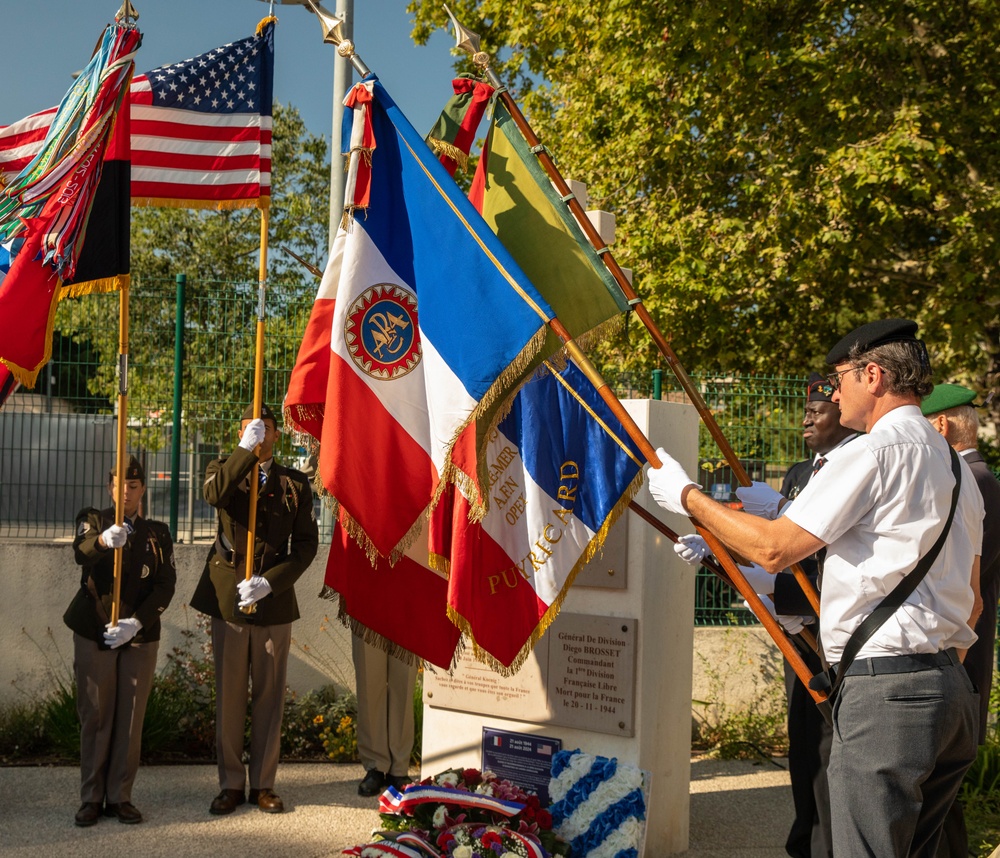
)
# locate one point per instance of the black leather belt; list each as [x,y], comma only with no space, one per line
[902,663]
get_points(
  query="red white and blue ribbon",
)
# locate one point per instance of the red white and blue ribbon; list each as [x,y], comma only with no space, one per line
[392,801]
[357,190]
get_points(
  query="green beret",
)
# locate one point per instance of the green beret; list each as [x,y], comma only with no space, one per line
[873,334]
[265,413]
[945,396]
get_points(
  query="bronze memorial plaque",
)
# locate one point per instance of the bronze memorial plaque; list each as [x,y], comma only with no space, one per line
[591,673]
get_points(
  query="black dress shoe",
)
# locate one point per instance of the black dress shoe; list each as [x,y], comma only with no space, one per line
[373,783]
[267,801]
[226,802]
[126,812]
[398,782]
[88,814]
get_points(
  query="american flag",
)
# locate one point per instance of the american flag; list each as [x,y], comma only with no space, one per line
[201,129]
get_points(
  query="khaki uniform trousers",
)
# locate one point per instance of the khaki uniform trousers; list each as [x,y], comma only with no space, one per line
[385,708]
[256,656]
[113,686]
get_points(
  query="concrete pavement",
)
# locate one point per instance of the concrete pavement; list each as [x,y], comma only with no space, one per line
[738,810]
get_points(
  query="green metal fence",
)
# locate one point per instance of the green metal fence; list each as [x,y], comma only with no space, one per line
[57,441]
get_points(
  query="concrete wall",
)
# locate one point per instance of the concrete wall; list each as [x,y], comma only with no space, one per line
[37,582]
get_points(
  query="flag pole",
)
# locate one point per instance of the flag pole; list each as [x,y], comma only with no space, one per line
[127,14]
[122,423]
[469,41]
[258,398]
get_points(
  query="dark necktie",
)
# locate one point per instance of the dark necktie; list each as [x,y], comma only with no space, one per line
[129,527]
[261,477]
[820,461]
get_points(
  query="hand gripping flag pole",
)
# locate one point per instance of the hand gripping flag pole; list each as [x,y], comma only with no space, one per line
[470,42]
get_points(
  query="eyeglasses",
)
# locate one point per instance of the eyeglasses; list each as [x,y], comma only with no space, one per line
[834,377]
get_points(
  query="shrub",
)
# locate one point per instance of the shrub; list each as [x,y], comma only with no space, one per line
[745,731]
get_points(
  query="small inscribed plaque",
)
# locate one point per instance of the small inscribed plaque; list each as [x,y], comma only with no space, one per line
[522,759]
[608,567]
[475,687]
[591,673]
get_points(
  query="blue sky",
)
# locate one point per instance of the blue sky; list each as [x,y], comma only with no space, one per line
[45,41]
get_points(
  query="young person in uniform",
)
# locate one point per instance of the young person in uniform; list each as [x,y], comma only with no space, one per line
[114,664]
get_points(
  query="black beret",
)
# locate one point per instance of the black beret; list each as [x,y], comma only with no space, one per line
[133,471]
[265,413]
[819,388]
[873,334]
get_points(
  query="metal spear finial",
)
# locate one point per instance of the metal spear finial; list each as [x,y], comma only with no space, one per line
[333,34]
[127,13]
[468,41]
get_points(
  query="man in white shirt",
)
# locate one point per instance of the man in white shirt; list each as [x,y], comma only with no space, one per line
[905,716]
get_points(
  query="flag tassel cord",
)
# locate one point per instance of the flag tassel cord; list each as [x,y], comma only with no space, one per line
[258,399]
[122,424]
[470,42]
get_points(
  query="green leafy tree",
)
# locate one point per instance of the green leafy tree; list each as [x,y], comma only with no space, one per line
[780,170]
[218,251]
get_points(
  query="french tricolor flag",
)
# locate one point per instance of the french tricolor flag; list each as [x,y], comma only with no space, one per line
[560,470]
[426,320]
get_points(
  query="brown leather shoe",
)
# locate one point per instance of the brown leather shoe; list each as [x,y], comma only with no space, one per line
[88,814]
[126,812]
[267,801]
[226,802]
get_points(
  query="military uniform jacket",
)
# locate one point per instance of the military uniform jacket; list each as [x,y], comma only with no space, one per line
[286,538]
[148,576]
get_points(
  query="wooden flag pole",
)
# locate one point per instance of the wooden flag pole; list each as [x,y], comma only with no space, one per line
[807,637]
[730,573]
[258,399]
[122,424]
[470,42]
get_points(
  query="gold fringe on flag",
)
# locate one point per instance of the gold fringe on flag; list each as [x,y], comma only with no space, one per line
[96,287]
[262,202]
[370,637]
[593,547]
[449,150]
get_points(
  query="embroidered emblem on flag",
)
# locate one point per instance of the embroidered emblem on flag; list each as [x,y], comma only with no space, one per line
[381,332]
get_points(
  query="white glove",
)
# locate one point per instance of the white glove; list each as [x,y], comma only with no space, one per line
[759,579]
[253,434]
[760,499]
[791,624]
[115,536]
[252,590]
[119,635]
[667,483]
[692,549]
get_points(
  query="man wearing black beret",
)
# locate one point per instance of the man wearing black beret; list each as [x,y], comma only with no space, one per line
[809,735]
[894,508]
[949,407]
[253,647]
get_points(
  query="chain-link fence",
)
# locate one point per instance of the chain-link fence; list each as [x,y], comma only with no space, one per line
[57,441]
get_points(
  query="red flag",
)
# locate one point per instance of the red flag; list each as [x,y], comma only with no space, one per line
[46,210]
[393,606]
